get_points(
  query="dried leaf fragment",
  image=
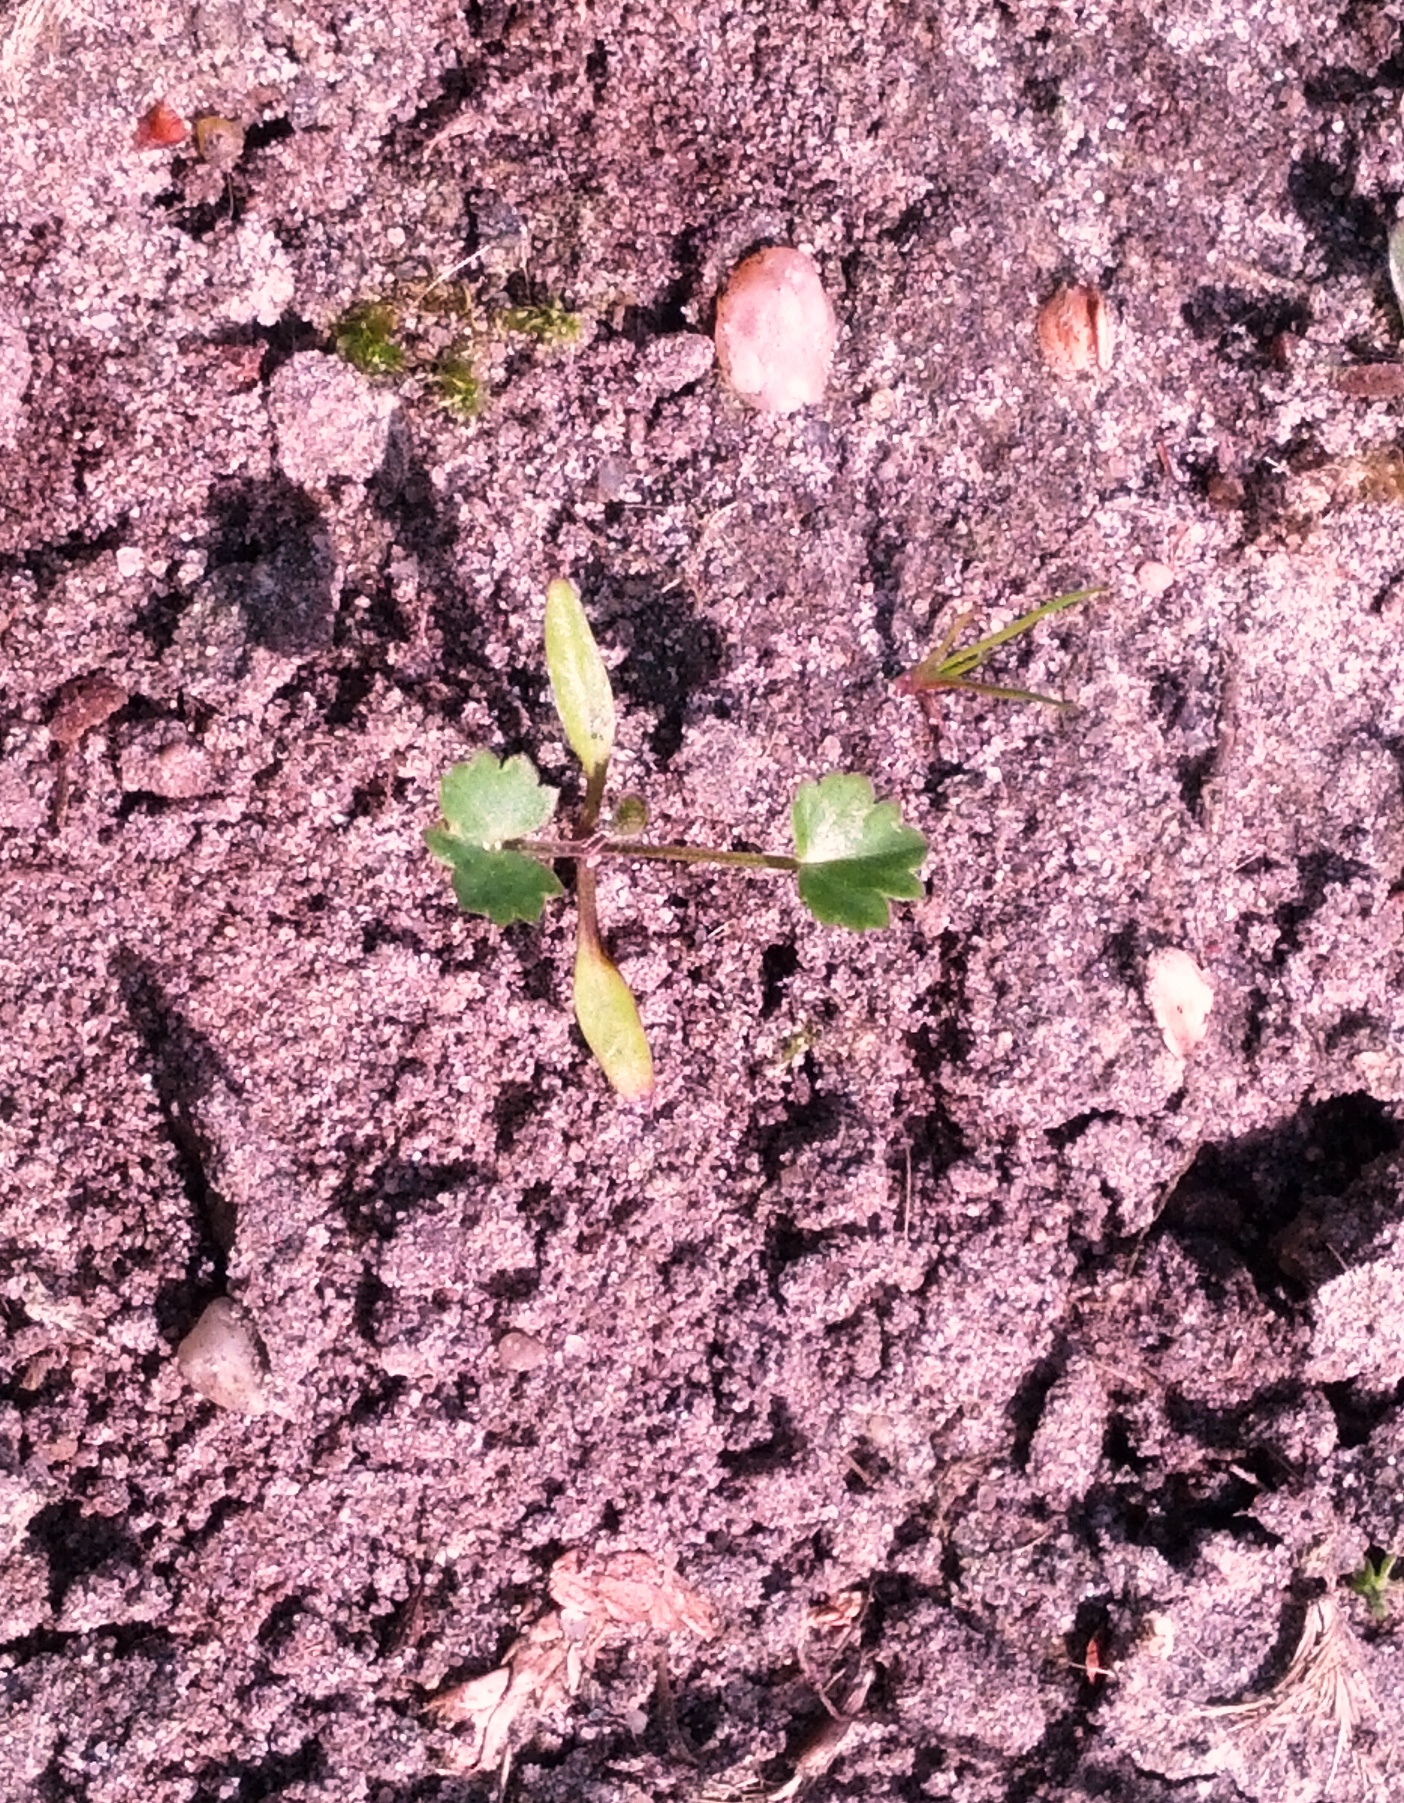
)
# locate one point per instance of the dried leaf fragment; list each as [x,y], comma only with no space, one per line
[83,704]
[159,127]
[542,1670]
[1180,997]
[1372,381]
[1076,331]
[630,1589]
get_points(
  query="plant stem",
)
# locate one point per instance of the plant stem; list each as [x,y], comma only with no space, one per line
[582,849]
[587,914]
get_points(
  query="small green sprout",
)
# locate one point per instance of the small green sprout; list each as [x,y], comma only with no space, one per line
[461,390]
[853,854]
[366,338]
[948,668]
[1376,1583]
[549,324]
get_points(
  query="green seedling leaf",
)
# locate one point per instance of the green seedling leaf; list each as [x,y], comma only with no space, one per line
[506,886]
[485,804]
[1396,263]
[854,852]
[948,668]
[609,1019]
[1375,1581]
[489,803]
[579,680]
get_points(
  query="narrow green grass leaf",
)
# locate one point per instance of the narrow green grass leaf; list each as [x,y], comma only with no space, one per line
[854,852]
[579,681]
[945,667]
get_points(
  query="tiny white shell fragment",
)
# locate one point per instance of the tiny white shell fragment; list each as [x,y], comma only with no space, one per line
[222,1357]
[1179,996]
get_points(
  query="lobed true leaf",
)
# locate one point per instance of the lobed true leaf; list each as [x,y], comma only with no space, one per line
[854,852]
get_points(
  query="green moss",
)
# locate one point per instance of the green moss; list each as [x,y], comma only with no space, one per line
[549,324]
[365,336]
[461,390]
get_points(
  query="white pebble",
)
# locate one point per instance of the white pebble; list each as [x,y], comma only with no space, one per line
[222,1357]
[776,331]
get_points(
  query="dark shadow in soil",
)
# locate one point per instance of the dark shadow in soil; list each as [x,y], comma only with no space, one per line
[423,524]
[76,1543]
[268,1777]
[271,555]
[1243,1193]
[1317,871]
[675,657]
[1179,1514]
[1244,328]
[1348,228]
[184,1067]
[373,1200]
[808,1116]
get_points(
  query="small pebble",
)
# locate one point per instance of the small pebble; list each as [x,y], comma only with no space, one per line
[518,1351]
[130,561]
[224,1360]
[1155,579]
[776,331]
[159,127]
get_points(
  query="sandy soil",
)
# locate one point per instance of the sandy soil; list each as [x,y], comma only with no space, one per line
[941,1337]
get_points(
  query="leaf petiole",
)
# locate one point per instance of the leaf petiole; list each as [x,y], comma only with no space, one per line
[598,846]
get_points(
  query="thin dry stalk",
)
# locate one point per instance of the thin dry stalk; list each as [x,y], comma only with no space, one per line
[1324,1687]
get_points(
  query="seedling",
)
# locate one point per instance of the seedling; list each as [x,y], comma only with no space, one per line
[550,323]
[852,852]
[949,668]
[366,338]
[1377,1584]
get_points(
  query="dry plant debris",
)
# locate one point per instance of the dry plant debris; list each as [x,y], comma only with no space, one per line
[596,1595]
[1324,1687]
[83,704]
[1076,332]
[1180,997]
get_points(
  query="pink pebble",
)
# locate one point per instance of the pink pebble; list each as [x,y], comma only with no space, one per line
[776,331]
[1155,579]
